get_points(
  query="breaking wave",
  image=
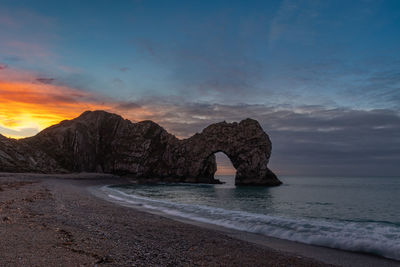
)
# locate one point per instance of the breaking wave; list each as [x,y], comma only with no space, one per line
[375,237]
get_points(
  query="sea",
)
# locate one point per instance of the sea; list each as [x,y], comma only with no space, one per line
[360,214]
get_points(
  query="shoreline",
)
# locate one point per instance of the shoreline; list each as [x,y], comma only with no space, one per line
[74,226]
[327,255]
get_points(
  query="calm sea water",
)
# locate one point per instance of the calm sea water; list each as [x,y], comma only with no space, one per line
[357,214]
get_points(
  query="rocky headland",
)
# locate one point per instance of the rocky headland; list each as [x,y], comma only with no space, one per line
[98,141]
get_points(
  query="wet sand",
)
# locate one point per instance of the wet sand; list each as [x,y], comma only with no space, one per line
[55,220]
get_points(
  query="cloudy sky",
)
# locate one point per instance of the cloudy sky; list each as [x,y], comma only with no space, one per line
[322,77]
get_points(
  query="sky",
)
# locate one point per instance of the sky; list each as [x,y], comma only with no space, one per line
[321,77]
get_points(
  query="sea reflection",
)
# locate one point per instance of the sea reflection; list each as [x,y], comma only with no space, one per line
[253,198]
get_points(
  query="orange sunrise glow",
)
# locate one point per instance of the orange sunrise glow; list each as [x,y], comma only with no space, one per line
[37,106]
[28,107]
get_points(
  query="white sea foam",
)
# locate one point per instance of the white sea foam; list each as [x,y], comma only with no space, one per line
[379,238]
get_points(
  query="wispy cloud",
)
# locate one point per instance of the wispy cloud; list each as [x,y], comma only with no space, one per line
[293,22]
[27,36]
[45,80]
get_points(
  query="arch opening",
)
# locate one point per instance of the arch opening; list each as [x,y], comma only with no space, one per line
[225,170]
[224,164]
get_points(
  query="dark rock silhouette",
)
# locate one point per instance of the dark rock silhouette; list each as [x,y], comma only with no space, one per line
[245,143]
[18,156]
[103,142]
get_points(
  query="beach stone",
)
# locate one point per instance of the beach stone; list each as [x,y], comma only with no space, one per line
[98,141]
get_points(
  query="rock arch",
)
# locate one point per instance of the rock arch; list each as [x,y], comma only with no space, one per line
[246,145]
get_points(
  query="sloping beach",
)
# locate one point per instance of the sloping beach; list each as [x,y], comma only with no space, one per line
[55,220]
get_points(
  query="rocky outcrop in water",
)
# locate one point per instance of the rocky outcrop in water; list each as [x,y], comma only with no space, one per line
[245,143]
[103,142]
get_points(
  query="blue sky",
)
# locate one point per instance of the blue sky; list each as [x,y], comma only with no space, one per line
[185,61]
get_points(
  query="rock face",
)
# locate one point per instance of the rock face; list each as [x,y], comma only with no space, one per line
[103,142]
[245,143]
[18,156]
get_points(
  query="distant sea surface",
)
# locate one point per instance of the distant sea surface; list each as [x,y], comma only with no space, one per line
[356,214]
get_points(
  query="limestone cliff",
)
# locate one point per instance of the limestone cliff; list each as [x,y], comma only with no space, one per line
[103,142]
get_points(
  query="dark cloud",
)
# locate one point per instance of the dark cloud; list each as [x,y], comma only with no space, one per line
[128,106]
[45,80]
[124,69]
[3,66]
